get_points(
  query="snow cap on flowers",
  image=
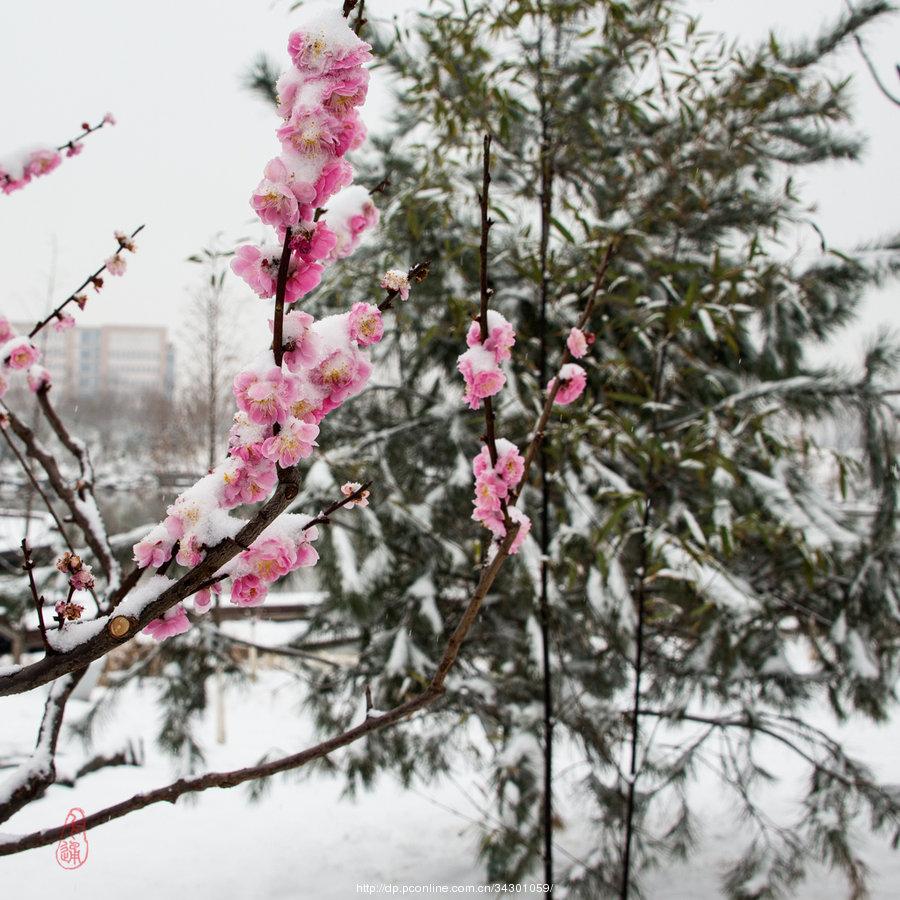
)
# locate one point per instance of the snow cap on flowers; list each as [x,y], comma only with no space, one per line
[481,373]
[324,43]
[500,339]
[572,381]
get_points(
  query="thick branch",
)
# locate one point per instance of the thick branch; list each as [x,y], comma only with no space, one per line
[74,503]
[35,775]
[172,792]
[52,667]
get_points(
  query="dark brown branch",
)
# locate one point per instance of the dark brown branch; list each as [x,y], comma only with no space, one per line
[23,463]
[486,292]
[371,724]
[64,492]
[280,288]
[47,669]
[28,566]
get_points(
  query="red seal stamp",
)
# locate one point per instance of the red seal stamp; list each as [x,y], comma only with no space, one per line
[72,849]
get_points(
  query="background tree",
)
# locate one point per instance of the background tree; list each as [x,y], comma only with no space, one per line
[694,562]
[212,324]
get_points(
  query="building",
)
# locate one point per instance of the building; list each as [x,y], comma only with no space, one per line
[116,359]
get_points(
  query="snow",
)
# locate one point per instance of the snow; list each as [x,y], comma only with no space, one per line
[304,839]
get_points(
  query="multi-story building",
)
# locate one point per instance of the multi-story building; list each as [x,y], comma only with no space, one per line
[116,359]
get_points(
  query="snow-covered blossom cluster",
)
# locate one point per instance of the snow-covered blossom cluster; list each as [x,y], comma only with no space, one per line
[493,484]
[19,354]
[494,481]
[480,364]
[317,99]
[572,377]
[281,397]
[18,169]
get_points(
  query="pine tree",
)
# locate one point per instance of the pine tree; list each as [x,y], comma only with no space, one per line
[702,582]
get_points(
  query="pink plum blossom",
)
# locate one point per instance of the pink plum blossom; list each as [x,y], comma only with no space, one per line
[116,264]
[350,488]
[248,590]
[203,599]
[41,162]
[265,399]
[342,373]
[335,174]
[524,523]
[365,324]
[295,441]
[327,45]
[247,482]
[500,339]
[258,266]
[63,321]
[482,375]
[173,621]
[152,550]
[278,197]
[572,381]
[395,280]
[304,345]
[345,89]
[6,332]
[578,342]
[311,133]
[20,353]
[313,240]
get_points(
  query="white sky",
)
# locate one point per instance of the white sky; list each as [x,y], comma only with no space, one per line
[190,142]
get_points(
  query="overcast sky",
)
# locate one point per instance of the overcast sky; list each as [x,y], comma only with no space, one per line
[190,143]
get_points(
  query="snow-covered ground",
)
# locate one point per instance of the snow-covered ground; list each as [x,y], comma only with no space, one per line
[303,839]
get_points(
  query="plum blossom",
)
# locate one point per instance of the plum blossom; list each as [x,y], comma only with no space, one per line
[572,381]
[365,324]
[350,488]
[518,517]
[173,621]
[326,44]
[20,353]
[248,481]
[63,321]
[395,280]
[578,342]
[40,162]
[152,550]
[80,577]
[248,590]
[265,399]
[302,343]
[481,373]
[342,373]
[116,264]
[278,198]
[295,441]
[500,339]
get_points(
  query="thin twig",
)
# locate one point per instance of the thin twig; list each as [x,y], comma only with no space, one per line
[23,463]
[91,279]
[28,566]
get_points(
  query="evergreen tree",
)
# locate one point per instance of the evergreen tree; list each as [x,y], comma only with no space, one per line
[702,582]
